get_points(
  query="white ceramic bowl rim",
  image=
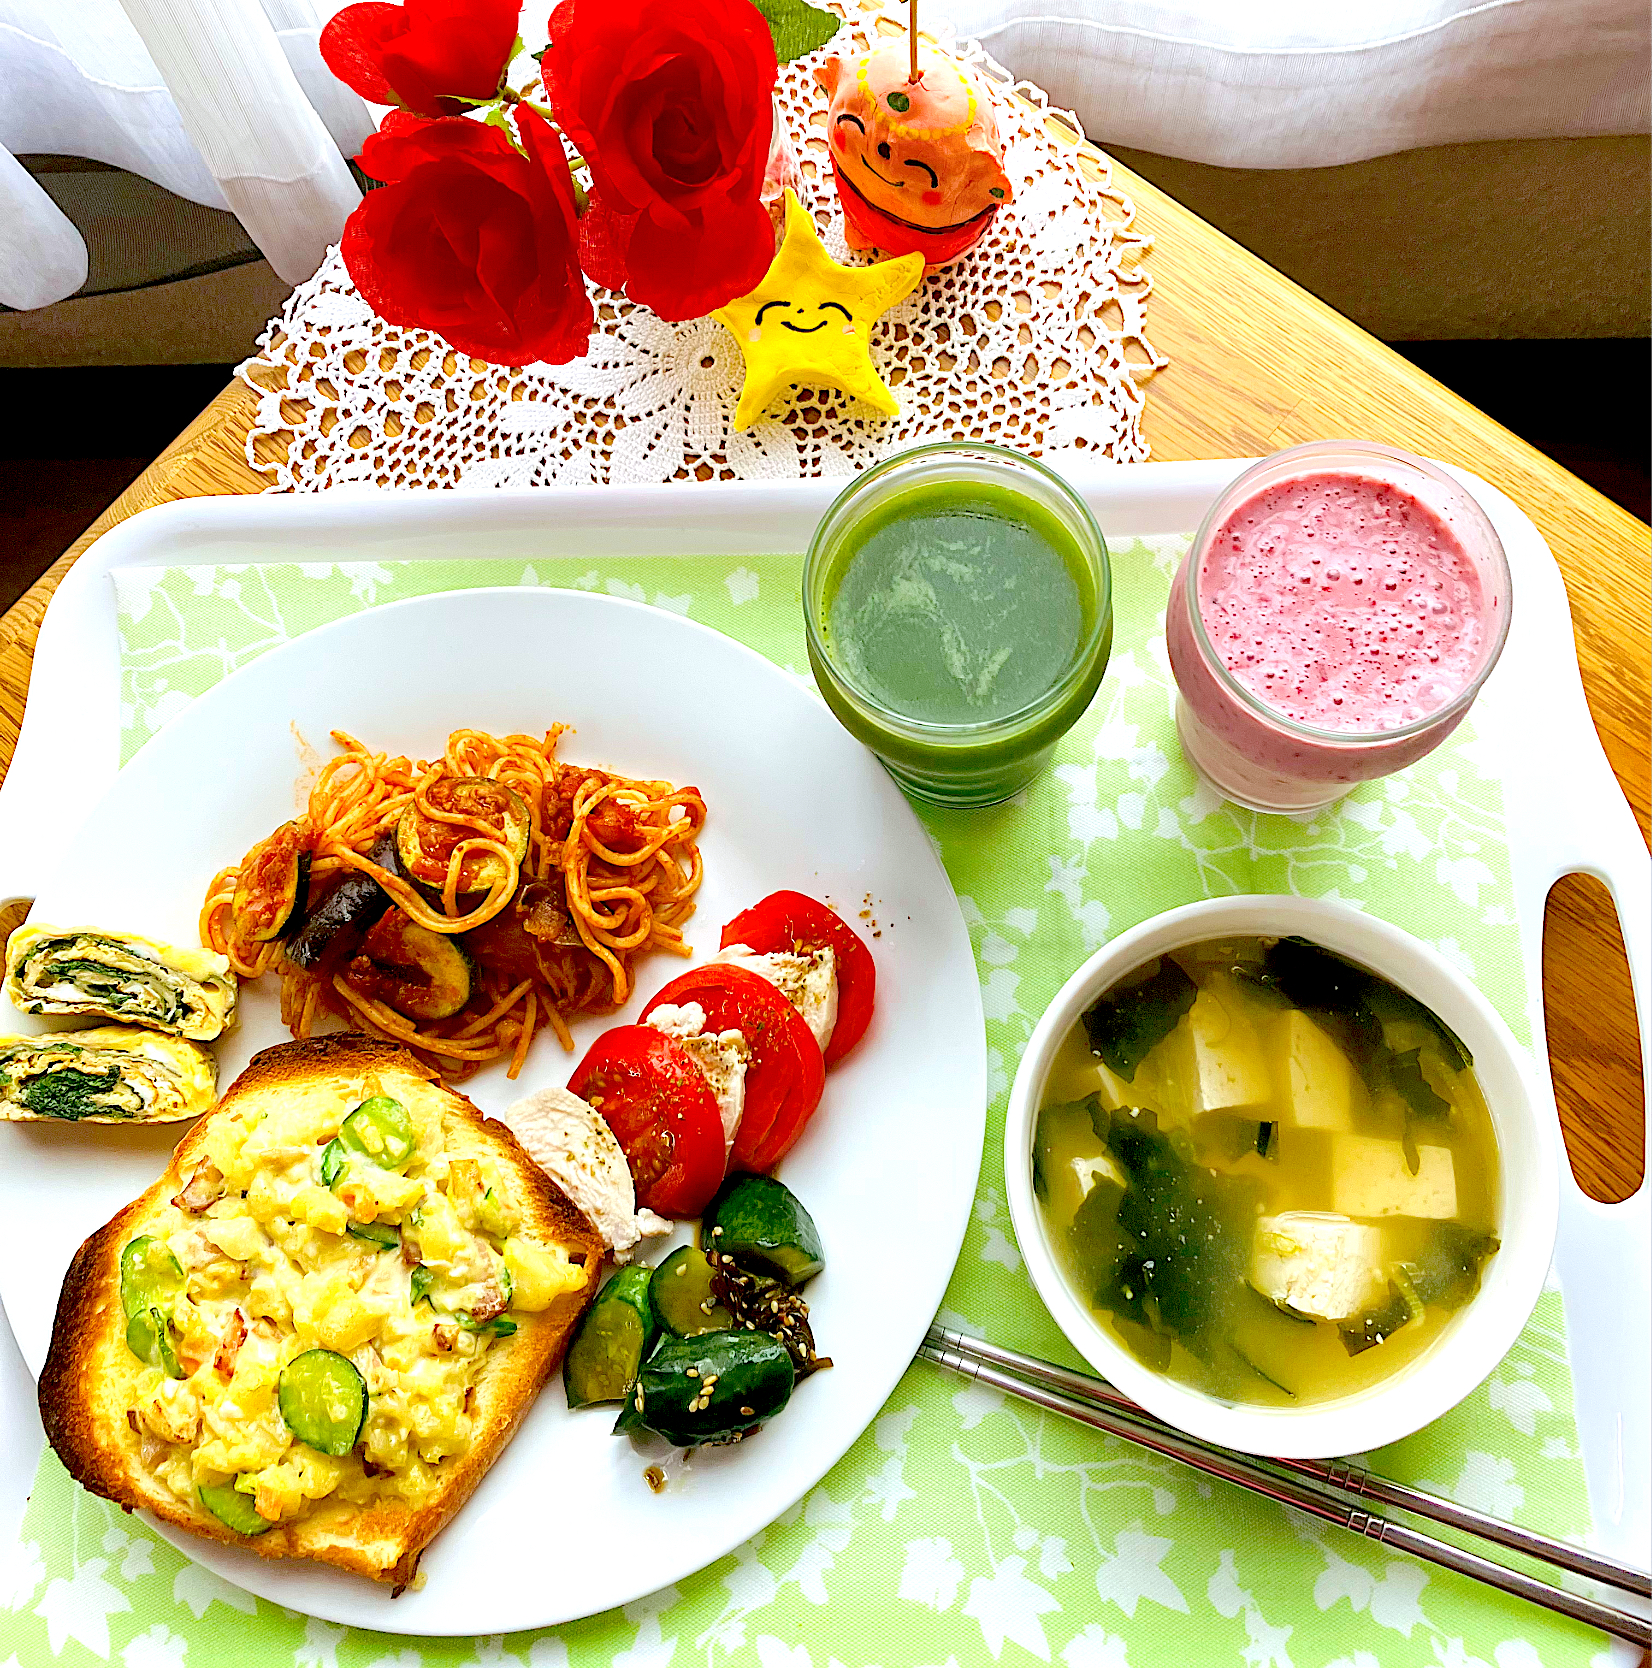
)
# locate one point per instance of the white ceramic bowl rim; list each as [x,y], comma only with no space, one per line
[1522,1117]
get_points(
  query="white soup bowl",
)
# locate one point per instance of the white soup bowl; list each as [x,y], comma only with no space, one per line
[1528,1194]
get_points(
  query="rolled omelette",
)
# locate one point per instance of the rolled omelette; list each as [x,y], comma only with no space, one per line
[112,1074]
[120,976]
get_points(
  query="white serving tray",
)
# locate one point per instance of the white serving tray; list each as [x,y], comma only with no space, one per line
[1564,808]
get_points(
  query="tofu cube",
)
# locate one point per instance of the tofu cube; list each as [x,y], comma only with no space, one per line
[1090,1172]
[1115,1093]
[1230,1068]
[1318,1264]
[1371,1178]
[1319,1078]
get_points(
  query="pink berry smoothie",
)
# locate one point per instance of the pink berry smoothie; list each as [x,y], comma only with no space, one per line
[1343,623]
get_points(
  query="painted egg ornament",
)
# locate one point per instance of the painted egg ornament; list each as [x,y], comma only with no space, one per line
[918,162]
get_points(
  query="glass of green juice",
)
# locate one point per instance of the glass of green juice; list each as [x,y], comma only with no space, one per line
[959,609]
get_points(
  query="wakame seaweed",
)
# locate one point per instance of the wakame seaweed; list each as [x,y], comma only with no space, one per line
[1125,1026]
[1405,1072]
[1391,1006]
[1353,1004]
[1448,1270]
[1370,1329]
[1182,1263]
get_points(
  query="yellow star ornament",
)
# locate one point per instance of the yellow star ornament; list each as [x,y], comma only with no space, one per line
[810,320]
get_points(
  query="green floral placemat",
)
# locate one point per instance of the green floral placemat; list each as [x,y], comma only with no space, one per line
[962,1529]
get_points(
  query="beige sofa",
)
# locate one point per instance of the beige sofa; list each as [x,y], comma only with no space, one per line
[1507,238]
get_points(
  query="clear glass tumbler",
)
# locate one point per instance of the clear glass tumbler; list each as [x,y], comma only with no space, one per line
[974,581]
[1254,754]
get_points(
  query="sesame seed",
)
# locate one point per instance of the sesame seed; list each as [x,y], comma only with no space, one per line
[748,1413]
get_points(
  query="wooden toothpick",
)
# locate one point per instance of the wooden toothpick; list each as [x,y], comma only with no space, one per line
[912,37]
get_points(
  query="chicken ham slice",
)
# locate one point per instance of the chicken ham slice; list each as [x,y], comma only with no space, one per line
[572,1144]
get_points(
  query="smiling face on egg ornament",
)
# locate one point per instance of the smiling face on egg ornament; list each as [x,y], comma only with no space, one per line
[919,165]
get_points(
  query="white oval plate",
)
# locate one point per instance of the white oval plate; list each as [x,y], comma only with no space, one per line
[564,1525]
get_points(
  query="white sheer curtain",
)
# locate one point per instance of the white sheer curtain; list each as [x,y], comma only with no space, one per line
[1306,84]
[225,102]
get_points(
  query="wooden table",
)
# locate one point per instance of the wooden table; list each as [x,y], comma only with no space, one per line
[1255,364]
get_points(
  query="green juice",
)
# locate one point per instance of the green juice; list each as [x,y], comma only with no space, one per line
[959,604]
[960,617]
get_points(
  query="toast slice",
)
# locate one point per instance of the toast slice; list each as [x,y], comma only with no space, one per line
[445,1283]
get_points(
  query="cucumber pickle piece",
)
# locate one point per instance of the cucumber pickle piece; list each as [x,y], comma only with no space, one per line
[762,1225]
[501,1326]
[381,1234]
[232,1508]
[712,1388]
[606,1354]
[150,1276]
[335,1160]
[323,1400]
[380,1131]
[680,1294]
[149,1337]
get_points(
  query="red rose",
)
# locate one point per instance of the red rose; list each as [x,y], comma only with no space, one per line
[671,102]
[428,56]
[472,239]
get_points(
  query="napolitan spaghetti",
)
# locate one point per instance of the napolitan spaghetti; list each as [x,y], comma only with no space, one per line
[457,905]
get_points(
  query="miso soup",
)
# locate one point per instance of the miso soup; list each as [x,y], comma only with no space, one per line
[1270,1173]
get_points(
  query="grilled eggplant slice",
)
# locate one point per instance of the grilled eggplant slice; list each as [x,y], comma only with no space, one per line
[274,877]
[426,847]
[120,976]
[421,974]
[112,1074]
[351,907]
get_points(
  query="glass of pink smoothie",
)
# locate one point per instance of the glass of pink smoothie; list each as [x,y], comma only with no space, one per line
[1332,622]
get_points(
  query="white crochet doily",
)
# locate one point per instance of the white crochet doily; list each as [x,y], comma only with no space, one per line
[1033,339]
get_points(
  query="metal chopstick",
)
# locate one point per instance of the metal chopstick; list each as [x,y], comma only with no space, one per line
[1332,1474]
[1315,1501]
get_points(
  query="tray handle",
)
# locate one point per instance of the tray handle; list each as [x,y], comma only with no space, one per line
[1623,865]
[1605,1252]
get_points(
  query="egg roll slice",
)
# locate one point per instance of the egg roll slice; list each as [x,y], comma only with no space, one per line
[121,976]
[112,1074]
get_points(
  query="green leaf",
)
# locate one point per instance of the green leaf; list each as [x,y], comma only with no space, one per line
[496,117]
[71,1094]
[797,27]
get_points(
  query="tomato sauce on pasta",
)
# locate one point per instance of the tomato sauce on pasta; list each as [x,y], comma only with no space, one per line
[550,879]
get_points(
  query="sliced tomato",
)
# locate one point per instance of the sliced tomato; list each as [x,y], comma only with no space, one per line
[793,921]
[785,1074]
[662,1112]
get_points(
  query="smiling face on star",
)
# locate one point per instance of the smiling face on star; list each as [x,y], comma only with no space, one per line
[803,318]
[923,151]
